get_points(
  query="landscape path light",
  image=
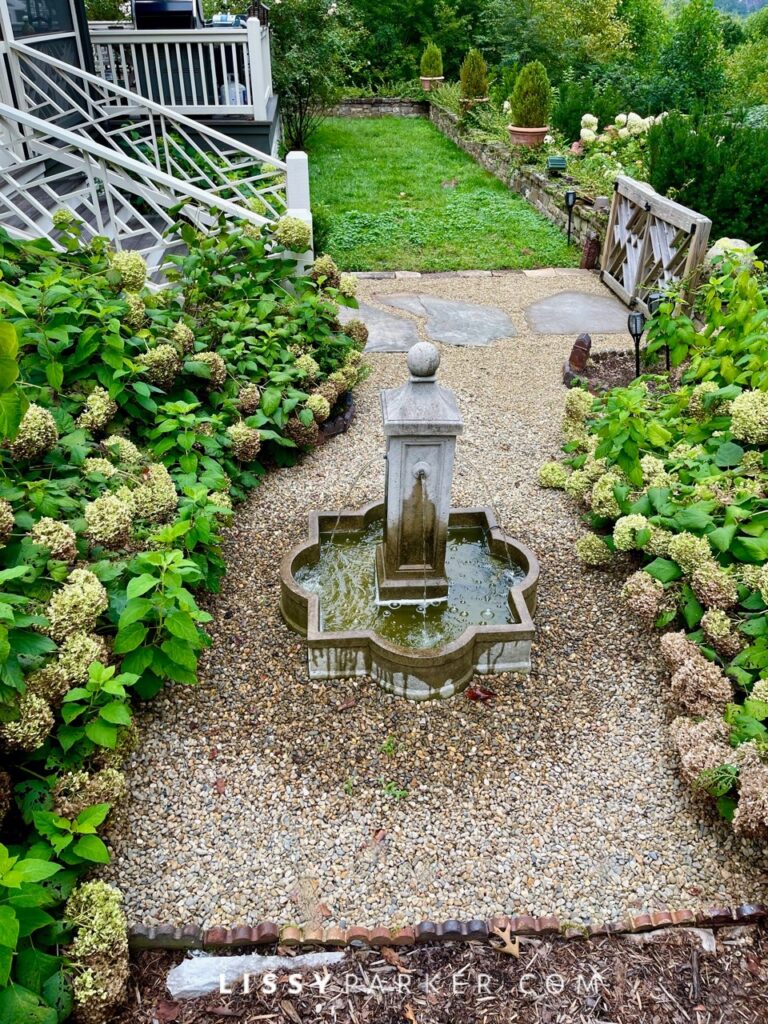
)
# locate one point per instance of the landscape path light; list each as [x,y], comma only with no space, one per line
[636,326]
[570,202]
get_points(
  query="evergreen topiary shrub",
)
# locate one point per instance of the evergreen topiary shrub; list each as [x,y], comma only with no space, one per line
[432,62]
[474,76]
[531,99]
[717,167]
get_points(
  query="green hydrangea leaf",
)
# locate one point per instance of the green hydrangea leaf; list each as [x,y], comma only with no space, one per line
[93,849]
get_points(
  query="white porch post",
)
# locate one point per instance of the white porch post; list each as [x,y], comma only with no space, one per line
[266,59]
[297,196]
[258,71]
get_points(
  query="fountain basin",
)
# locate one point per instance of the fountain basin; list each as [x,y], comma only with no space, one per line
[418,673]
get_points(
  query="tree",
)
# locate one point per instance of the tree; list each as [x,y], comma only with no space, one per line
[748,73]
[560,34]
[313,44]
[693,61]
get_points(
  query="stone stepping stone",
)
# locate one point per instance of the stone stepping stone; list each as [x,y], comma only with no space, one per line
[453,322]
[575,313]
[386,331]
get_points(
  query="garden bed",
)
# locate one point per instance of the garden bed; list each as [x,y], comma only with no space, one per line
[666,977]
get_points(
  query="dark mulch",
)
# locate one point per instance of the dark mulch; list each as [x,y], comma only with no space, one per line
[670,981]
[616,370]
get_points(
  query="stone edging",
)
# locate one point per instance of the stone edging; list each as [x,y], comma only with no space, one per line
[268,933]
[434,275]
[380,106]
[542,192]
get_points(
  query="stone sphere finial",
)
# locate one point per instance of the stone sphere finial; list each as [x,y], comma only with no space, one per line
[423,360]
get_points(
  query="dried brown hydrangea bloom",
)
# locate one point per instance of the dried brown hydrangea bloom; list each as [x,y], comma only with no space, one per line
[676,649]
[302,436]
[217,367]
[714,587]
[700,687]
[161,365]
[702,745]
[99,951]
[246,441]
[6,795]
[357,331]
[75,791]
[50,682]
[751,817]
[248,398]
[644,597]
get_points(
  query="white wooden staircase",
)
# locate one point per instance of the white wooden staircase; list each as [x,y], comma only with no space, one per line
[126,165]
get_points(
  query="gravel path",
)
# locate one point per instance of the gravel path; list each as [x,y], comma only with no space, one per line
[261,795]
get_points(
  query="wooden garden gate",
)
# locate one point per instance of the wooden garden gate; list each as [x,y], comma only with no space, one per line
[651,242]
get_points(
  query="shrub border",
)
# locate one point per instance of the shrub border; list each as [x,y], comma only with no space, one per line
[269,933]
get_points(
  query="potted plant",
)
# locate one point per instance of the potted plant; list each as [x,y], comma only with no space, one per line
[530,104]
[474,80]
[431,67]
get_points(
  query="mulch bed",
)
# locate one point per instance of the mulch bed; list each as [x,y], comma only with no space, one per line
[667,979]
[616,370]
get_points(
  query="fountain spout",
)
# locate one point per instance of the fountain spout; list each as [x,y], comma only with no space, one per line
[421,423]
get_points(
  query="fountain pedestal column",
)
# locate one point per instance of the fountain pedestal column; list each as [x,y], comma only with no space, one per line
[421,422]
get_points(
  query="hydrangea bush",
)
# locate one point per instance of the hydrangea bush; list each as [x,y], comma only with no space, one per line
[131,422]
[673,479]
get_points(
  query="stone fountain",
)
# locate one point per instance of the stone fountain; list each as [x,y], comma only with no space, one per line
[412,592]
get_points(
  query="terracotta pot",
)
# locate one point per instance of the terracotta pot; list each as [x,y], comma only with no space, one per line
[426,83]
[526,136]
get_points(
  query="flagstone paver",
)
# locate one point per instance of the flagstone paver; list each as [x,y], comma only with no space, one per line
[574,312]
[387,332]
[453,322]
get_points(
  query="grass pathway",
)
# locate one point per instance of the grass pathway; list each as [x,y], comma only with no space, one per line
[392,193]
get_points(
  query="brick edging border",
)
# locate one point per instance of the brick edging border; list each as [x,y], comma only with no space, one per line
[268,933]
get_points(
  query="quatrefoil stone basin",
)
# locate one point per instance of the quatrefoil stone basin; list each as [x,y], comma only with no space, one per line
[414,672]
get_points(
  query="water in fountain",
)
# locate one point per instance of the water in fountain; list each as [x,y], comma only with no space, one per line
[345,581]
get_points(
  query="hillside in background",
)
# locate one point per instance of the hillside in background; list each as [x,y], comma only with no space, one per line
[743,7]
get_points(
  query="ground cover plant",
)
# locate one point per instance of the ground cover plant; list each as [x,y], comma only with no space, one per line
[393,194]
[132,420]
[673,477]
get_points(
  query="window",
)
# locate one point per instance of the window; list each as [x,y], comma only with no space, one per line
[40,17]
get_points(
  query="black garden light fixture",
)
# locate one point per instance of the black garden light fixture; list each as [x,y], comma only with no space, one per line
[570,202]
[636,326]
[653,302]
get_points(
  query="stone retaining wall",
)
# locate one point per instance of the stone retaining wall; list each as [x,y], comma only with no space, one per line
[381,106]
[544,193]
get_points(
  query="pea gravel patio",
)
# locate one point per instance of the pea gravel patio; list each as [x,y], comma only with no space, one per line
[261,795]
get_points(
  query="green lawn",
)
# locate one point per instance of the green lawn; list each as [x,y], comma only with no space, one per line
[393,194]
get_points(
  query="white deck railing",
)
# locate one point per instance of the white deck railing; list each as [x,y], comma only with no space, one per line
[195,71]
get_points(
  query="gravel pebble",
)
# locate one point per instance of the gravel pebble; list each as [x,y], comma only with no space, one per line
[561,796]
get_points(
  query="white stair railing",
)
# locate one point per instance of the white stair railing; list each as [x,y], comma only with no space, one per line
[131,203]
[126,123]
